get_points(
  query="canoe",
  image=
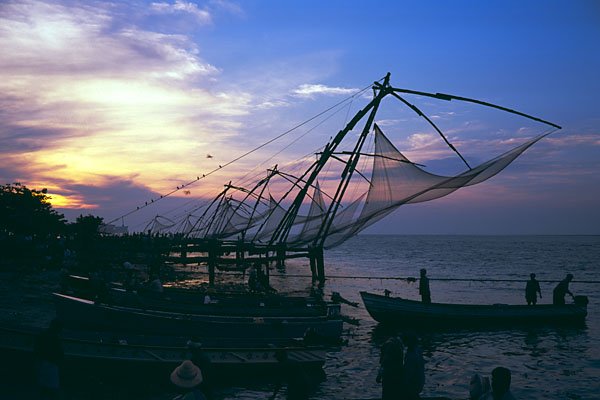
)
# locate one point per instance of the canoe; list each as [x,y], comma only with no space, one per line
[86,314]
[96,352]
[399,311]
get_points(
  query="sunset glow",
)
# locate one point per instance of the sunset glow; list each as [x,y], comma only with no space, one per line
[111,105]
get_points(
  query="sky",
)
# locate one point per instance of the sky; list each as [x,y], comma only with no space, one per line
[110,105]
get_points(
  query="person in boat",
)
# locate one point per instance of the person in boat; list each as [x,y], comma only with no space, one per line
[299,382]
[187,377]
[424,287]
[531,290]
[413,375]
[500,385]
[391,364]
[558,295]
[48,354]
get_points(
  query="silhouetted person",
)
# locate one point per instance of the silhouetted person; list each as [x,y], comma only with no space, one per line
[299,382]
[478,386]
[253,280]
[48,353]
[200,359]
[424,287]
[187,377]
[500,385]
[413,376]
[391,363]
[558,295]
[531,290]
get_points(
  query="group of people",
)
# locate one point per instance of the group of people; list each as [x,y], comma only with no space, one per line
[480,388]
[532,289]
[401,370]
[258,280]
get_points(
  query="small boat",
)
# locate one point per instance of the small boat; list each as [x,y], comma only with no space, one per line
[101,352]
[192,301]
[86,314]
[399,311]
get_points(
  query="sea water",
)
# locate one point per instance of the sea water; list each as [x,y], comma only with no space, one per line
[546,362]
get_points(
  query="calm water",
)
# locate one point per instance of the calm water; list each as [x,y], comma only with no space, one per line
[547,363]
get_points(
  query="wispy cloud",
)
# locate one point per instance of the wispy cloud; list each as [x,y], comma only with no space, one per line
[311,90]
[203,16]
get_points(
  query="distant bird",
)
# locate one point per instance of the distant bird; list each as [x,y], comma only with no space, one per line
[220,166]
[187,192]
[209,156]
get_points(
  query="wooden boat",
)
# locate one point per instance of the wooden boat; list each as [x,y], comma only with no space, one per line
[191,301]
[81,313]
[95,350]
[399,311]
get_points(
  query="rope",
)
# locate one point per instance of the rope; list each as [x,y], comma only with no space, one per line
[408,279]
[146,204]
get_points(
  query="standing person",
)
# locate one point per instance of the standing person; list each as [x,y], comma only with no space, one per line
[390,374]
[299,382]
[187,377]
[424,287]
[500,385]
[531,290]
[48,353]
[413,376]
[558,295]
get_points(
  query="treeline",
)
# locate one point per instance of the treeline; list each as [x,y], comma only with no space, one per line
[34,235]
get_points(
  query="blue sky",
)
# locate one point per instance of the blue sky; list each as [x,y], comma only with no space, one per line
[109,105]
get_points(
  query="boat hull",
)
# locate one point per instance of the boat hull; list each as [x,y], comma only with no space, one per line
[84,314]
[191,301]
[117,356]
[398,311]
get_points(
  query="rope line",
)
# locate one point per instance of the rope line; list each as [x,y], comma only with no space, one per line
[408,279]
[152,201]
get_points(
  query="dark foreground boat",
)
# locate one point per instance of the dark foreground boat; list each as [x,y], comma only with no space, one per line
[399,311]
[85,314]
[102,354]
[195,301]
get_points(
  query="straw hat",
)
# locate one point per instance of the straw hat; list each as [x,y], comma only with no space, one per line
[186,375]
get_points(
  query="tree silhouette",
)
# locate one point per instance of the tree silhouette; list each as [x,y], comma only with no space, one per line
[28,212]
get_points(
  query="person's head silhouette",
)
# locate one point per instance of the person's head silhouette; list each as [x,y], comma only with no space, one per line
[500,380]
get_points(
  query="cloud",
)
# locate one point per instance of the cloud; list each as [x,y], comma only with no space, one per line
[310,90]
[228,6]
[182,7]
[85,95]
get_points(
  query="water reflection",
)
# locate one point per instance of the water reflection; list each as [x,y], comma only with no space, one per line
[532,354]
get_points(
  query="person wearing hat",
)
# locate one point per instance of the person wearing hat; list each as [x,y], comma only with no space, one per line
[188,377]
[558,295]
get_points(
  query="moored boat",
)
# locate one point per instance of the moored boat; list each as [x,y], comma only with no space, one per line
[95,351]
[399,311]
[81,313]
[195,301]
